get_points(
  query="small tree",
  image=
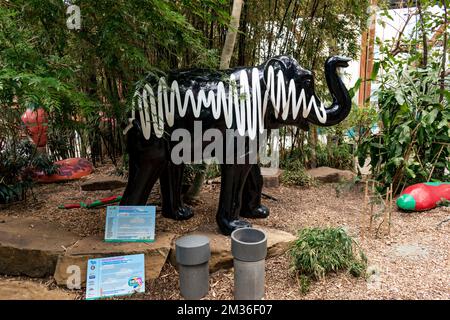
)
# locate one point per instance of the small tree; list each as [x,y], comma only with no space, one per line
[414,115]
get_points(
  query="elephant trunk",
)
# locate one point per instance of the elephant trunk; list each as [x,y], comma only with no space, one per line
[342,103]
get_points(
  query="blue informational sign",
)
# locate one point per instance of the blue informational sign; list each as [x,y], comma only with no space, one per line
[115,276]
[130,224]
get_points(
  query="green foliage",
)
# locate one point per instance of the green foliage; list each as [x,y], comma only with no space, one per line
[300,149]
[317,252]
[359,121]
[343,139]
[213,171]
[28,78]
[82,77]
[307,30]
[294,174]
[414,116]
[192,172]
[18,162]
[339,156]
[444,203]
[317,29]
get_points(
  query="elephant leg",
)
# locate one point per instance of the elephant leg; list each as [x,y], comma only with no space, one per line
[146,164]
[251,196]
[133,165]
[171,182]
[233,180]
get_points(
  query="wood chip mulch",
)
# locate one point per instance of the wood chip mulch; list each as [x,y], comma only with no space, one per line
[422,273]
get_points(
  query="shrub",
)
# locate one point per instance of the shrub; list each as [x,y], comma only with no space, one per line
[317,252]
[295,174]
[413,101]
[335,156]
[18,162]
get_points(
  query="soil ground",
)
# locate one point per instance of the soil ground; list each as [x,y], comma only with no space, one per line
[413,262]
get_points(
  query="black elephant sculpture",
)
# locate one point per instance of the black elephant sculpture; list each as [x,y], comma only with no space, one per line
[245,100]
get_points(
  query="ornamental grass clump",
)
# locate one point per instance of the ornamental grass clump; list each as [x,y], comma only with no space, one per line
[317,252]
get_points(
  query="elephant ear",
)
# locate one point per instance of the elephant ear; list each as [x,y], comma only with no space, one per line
[277,63]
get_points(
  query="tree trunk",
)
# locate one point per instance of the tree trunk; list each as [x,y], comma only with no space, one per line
[424,36]
[230,39]
[312,140]
[225,59]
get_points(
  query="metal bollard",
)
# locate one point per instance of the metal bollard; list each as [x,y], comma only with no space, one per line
[192,254]
[249,250]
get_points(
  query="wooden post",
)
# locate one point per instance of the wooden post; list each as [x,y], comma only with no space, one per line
[367,55]
[386,207]
[364,210]
[371,206]
[362,69]
[390,211]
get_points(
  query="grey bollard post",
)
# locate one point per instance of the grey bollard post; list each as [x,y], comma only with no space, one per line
[249,250]
[192,254]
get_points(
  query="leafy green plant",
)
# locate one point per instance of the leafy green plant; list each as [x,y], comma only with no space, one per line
[81,77]
[18,162]
[213,171]
[414,112]
[193,178]
[339,156]
[360,121]
[85,79]
[317,252]
[294,174]
[444,203]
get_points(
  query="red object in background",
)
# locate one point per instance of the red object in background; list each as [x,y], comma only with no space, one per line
[69,169]
[36,122]
[424,196]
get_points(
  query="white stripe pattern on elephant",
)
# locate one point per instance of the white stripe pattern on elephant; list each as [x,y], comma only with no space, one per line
[249,109]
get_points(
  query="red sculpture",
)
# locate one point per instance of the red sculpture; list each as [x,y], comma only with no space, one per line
[36,122]
[69,169]
[424,196]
